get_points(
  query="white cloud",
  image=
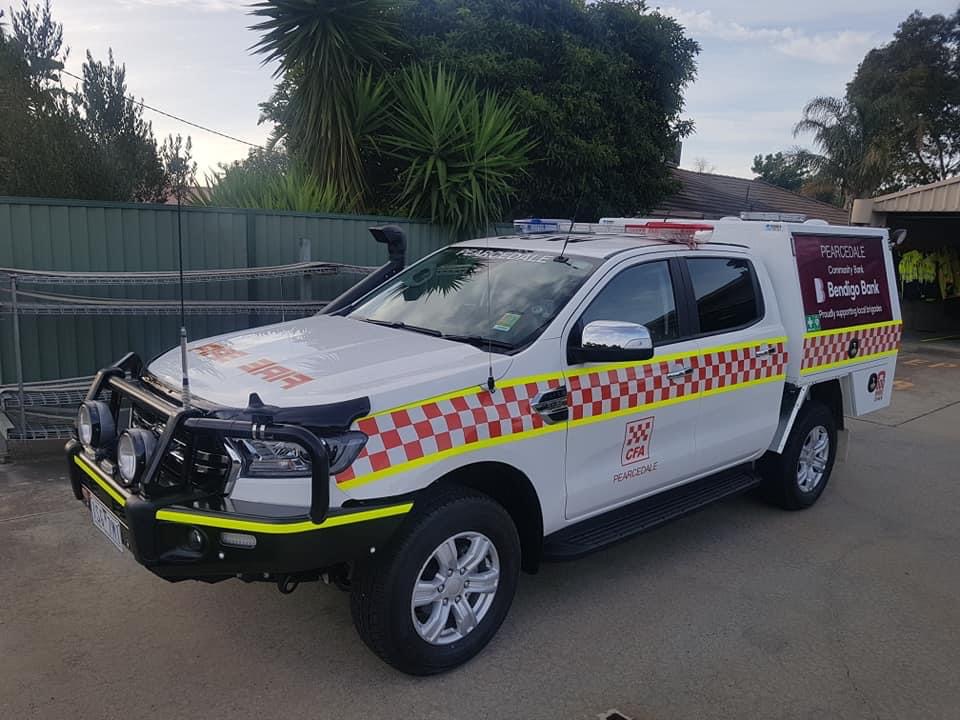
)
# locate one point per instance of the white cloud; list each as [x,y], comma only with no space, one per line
[832,48]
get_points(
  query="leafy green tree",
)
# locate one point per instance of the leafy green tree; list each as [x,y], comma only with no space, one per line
[91,143]
[131,167]
[325,46]
[781,170]
[268,180]
[599,86]
[460,149]
[852,156]
[913,86]
[176,154]
[43,150]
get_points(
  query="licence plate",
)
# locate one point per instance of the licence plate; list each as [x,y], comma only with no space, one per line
[105,522]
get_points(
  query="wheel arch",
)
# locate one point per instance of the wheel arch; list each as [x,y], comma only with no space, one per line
[796,397]
[830,394]
[511,488]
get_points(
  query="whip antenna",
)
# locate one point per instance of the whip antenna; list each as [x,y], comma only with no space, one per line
[183,315]
[573,220]
[491,383]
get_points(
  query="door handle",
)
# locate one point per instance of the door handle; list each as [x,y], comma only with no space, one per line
[682,372]
[552,405]
[768,350]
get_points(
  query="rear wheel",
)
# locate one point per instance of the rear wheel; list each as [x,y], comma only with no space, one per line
[795,479]
[439,593]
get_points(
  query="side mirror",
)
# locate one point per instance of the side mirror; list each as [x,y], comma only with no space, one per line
[612,341]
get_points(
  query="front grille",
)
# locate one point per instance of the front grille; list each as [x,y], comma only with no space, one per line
[210,464]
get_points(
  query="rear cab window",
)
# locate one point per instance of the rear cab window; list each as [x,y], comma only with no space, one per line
[726,293]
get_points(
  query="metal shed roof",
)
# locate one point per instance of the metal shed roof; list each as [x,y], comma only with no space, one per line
[938,197]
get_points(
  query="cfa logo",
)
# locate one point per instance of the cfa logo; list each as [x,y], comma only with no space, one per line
[636,441]
[875,384]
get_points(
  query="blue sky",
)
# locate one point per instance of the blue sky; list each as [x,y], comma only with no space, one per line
[760,62]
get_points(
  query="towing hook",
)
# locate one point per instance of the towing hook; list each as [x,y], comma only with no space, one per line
[286,584]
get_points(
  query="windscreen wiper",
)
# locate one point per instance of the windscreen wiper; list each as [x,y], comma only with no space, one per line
[480,342]
[404,326]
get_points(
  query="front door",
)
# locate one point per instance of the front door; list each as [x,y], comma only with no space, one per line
[632,425]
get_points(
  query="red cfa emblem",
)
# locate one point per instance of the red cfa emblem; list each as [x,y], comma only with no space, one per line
[636,442]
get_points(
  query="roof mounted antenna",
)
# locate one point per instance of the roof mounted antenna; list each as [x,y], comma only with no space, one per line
[573,220]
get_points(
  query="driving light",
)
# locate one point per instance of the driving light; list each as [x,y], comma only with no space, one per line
[95,425]
[133,453]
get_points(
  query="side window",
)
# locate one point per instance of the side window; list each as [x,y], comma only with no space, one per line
[725,291]
[641,294]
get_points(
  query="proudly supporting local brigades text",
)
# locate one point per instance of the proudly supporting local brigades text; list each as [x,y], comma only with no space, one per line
[843,281]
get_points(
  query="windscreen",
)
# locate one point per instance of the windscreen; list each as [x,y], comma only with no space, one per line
[485,296]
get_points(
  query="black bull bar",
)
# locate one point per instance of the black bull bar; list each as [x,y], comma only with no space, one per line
[255,425]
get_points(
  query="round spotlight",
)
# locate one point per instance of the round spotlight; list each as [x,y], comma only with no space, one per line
[95,425]
[133,453]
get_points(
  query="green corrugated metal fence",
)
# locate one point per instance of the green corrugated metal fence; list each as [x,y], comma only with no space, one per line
[88,236]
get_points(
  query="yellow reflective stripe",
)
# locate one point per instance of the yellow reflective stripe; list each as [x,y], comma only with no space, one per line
[741,345]
[95,476]
[623,365]
[450,452]
[848,361]
[181,516]
[740,386]
[852,328]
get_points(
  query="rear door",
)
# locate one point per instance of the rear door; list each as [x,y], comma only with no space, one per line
[631,425]
[743,345]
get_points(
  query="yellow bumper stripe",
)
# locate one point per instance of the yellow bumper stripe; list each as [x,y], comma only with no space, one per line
[95,476]
[191,518]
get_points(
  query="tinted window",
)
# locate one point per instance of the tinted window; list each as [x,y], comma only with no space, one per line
[725,292]
[642,294]
[476,294]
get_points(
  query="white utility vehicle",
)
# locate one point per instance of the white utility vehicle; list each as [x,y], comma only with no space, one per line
[502,402]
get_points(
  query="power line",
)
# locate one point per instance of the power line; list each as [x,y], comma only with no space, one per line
[178,119]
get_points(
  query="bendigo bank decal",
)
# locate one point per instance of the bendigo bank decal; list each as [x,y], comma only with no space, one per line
[843,281]
[636,450]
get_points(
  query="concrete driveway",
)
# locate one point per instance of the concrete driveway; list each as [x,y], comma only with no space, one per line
[851,609]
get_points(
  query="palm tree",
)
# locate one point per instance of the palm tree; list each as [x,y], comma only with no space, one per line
[853,158]
[328,46]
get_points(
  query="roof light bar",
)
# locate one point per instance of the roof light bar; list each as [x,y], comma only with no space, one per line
[663,231]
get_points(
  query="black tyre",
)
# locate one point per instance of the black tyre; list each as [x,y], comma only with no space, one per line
[436,596]
[797,477]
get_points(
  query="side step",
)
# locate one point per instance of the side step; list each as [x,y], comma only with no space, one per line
[612,527]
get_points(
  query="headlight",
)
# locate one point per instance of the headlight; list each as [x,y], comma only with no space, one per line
[267,458]
[133,453]
[95,424]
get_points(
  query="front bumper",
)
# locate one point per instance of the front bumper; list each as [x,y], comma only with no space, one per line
[156,531]
[175,526]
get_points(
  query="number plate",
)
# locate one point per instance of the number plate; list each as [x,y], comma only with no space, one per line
[105,522]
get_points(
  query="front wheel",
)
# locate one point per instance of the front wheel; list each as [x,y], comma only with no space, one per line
[795,479]
[438,594]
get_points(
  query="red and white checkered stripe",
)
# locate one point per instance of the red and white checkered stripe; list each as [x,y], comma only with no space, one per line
[725,368]
[401,436]
[820,350]
[593,394]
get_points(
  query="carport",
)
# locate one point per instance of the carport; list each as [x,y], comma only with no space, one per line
[931,216]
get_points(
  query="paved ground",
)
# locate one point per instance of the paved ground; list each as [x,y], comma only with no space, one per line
[847,610]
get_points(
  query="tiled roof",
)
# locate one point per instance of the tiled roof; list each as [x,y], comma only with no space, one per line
[708,196]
